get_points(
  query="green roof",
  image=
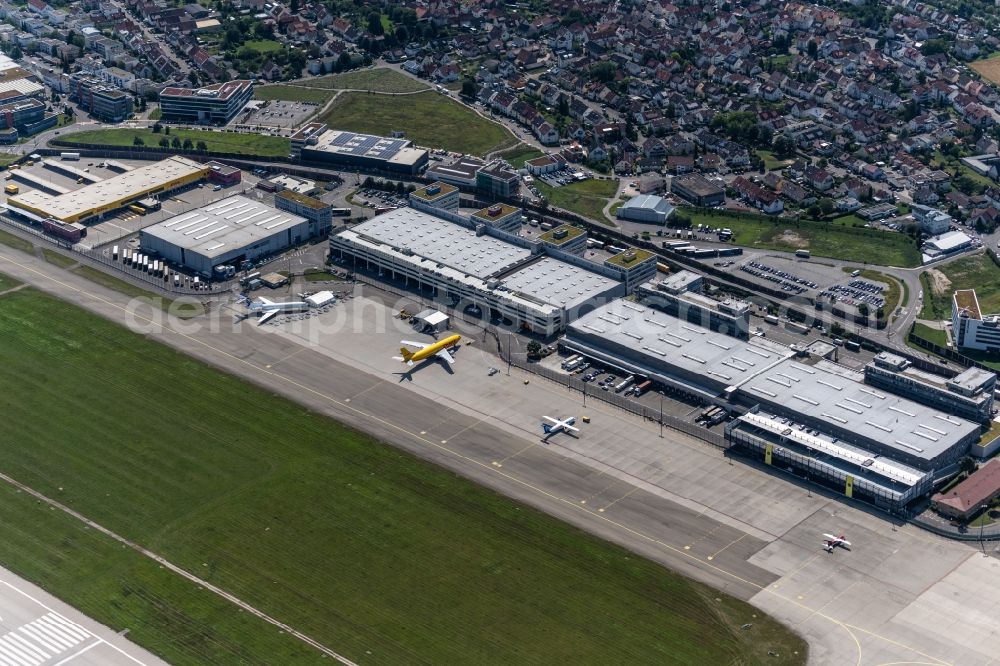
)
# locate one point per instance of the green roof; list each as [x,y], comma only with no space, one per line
[505,210]
[631,257]
[571,233]
[445,189]
[305,200]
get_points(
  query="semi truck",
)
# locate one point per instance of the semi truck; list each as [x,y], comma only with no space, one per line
[72,157]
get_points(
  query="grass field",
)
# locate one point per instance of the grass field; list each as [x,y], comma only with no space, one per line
[517,155]
[15,242]
[156,114]
[7,282]
[976,272]
[293,94]
[357,544]
[379,79]
[428,119]
[7,159]
[314,275]
[228,142]
[935,335]
[57,258]
[825,240]
[263,45]
[771,162]
[989,69]
[588,197]
[183,309]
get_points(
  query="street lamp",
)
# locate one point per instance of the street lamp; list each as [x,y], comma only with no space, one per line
[661,414]
[982,524]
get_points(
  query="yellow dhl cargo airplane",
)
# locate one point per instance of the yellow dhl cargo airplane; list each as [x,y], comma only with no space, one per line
[439,349]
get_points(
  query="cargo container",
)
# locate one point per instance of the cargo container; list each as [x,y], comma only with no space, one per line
[573,365]
[643,387]
[771,319]
[70,156]
[802,254]
[114,253]
[177,280]
[574,357]
[796,327]
[625,383]
[852,345]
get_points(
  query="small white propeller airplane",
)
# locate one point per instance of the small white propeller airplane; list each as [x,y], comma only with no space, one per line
[555,425]
[832,542]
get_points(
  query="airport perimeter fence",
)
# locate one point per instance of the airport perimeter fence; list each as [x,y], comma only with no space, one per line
[958,533]
[944,352]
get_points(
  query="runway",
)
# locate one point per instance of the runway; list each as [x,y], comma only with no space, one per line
[676,501]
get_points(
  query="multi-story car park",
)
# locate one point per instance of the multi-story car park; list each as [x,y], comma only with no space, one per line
[216,104]
[824,420]
[478,266]
[225,233]
[969,394]
[92,202]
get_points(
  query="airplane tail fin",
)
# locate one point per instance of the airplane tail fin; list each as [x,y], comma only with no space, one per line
[407,354]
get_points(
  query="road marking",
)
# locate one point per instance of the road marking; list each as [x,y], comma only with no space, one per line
[731,543]
[167,329]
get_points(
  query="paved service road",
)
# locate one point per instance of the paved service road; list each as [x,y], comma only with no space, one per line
[39,630]
[754,533]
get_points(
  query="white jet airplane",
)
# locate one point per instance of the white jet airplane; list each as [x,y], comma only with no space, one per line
[555,425]
[832,542]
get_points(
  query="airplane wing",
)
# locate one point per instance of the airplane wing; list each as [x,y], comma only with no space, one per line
[549,418]
[266,317]
[830,537]
[411,343]
[265,301]
[446,355]
[845,542]
[567,426]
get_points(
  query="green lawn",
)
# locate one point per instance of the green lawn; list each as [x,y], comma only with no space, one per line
[849,221]
[587,198]
[976,272]
[183,309]
[16,242]
[228,142]
[7,282]
[313,275]
[935,335]
[263,46]
[378,79]
[868,246]
[58,258]
[156,114]
[6,159]
[428,119]
[519,154]
[293,94]
[771,162]
[381,556]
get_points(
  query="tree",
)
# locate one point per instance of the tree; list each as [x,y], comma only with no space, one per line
[826,205]
[469,88]
[188,144]
[375,26]
[166,130]
[783,146]
[164,142]
[934,46]
[812,49]
[202,146]
[603,71]
[563,106]
[137,141]
[534,349]
[157,127]
[967,465]
[175,142]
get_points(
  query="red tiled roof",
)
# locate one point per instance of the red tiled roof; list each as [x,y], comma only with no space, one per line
[976,490]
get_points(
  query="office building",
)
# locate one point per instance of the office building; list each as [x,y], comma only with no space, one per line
[496,180]
[679,294]
[318,212]
[215,104]
[970,328]
[100,100]
[316,143]
[499,216]
[968,394]
[437,195]
[461,172]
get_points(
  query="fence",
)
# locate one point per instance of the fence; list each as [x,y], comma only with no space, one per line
[944,352]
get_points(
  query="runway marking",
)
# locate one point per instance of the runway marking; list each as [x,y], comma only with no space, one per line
[731,543]
[78,653]
[288,356]
[515,454]
[634,489]
[705,535]
[457,454]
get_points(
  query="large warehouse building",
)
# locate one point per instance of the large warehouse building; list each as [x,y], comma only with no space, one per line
[484,267]
[91,202]
[226,232]
[814,415]
[314,141]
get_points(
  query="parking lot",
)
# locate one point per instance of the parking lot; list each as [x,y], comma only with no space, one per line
[279,114]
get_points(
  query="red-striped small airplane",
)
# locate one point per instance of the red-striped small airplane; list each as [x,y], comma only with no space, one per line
[832,542]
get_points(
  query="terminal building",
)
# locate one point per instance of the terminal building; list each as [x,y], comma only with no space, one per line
[679,294]
[315,142]
[225,233]
[968,395]
[970,328]
[91,202]
[216,104]
[807,413]
[478,267]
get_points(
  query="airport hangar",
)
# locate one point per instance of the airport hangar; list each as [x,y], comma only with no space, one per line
[812,416]
[532,284]
[91,202]
[225,233]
